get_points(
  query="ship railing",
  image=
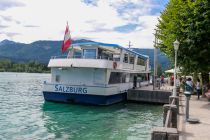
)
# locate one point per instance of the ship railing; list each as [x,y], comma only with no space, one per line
[58,56]
[79,57]
[80,85]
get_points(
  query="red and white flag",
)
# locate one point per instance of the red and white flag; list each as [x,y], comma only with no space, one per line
[67,40]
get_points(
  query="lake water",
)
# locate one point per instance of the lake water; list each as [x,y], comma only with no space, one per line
[25,115]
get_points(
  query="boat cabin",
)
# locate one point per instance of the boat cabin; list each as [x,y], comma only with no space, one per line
[111,52]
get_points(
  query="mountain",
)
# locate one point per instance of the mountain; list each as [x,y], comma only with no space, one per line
[39,50]
[43,50]
[163,60]
[6,41]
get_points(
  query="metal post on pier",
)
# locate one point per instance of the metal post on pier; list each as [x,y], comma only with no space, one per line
[187,119]
[187,108]
[155,62]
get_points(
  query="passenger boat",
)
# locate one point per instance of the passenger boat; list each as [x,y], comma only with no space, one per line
[95,73]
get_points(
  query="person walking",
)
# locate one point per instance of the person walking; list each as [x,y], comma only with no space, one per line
[198,88]
[162,80]
[172,80]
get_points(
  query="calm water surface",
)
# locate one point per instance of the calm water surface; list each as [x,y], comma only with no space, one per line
[25,115]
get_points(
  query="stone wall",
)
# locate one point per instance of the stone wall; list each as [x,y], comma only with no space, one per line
[148,96]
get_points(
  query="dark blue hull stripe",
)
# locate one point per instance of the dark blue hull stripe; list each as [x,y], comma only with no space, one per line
[84,98]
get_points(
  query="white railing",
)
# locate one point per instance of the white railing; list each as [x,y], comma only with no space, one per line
[100,62]
[80,57]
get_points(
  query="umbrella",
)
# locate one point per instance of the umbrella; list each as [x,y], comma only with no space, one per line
[172,71]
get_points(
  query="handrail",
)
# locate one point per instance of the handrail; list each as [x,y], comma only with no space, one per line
[124,65]
[80,57]
[101,85]
[169,115]
[173,102]
[168,119]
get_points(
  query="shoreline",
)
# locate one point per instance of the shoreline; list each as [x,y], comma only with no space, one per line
[24,72]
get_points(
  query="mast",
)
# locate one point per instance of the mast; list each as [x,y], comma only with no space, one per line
[129,44]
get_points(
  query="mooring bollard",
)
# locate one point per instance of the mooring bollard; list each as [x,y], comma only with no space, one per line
[188,95]
[187,119]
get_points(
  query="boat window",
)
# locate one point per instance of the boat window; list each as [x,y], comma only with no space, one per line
[100,53]
[131,59]
[57,78]
[131,77]
[117,77]
[89,53]
[114,78]
[104,54]
[125,60]
[140,61]
[77,54]
[116,57]
[123,77]
[143,76]
[99,77]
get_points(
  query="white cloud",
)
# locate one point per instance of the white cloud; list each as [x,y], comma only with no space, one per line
[88,21]
[5,4]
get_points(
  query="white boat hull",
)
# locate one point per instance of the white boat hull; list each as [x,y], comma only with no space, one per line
[96,95]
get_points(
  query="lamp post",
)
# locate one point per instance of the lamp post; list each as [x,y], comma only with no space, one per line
[176,47]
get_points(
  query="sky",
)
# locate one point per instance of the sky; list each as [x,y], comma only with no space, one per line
[108,21]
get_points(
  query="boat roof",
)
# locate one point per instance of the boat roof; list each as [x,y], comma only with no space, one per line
[111,45]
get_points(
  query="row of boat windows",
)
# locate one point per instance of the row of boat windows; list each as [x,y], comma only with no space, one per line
[118,77]
[115,77]
[140,61]
[102,54]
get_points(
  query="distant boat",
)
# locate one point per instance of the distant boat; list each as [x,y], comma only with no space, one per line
[95,73]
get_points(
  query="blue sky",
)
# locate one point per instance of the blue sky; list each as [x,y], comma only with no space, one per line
[110,21]
[126,28]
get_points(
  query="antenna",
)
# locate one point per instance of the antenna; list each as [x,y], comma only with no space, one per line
[129,44]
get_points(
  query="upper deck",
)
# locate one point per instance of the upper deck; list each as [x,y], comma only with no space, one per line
[101,55]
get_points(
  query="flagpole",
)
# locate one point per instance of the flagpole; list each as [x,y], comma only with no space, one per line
[69,53]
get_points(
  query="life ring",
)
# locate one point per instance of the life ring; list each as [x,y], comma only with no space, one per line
[114,65]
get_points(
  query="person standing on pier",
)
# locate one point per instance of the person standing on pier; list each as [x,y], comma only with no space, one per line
[162,80]
[172,80]
[134,82]
[198,88]
[189,85]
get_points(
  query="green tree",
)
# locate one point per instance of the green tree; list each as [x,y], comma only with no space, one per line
[32,66]
[189,22]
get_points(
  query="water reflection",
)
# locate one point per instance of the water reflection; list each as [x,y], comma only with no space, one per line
[119,121]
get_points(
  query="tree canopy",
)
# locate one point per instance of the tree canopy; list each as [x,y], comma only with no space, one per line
[32,66]
[188,21]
